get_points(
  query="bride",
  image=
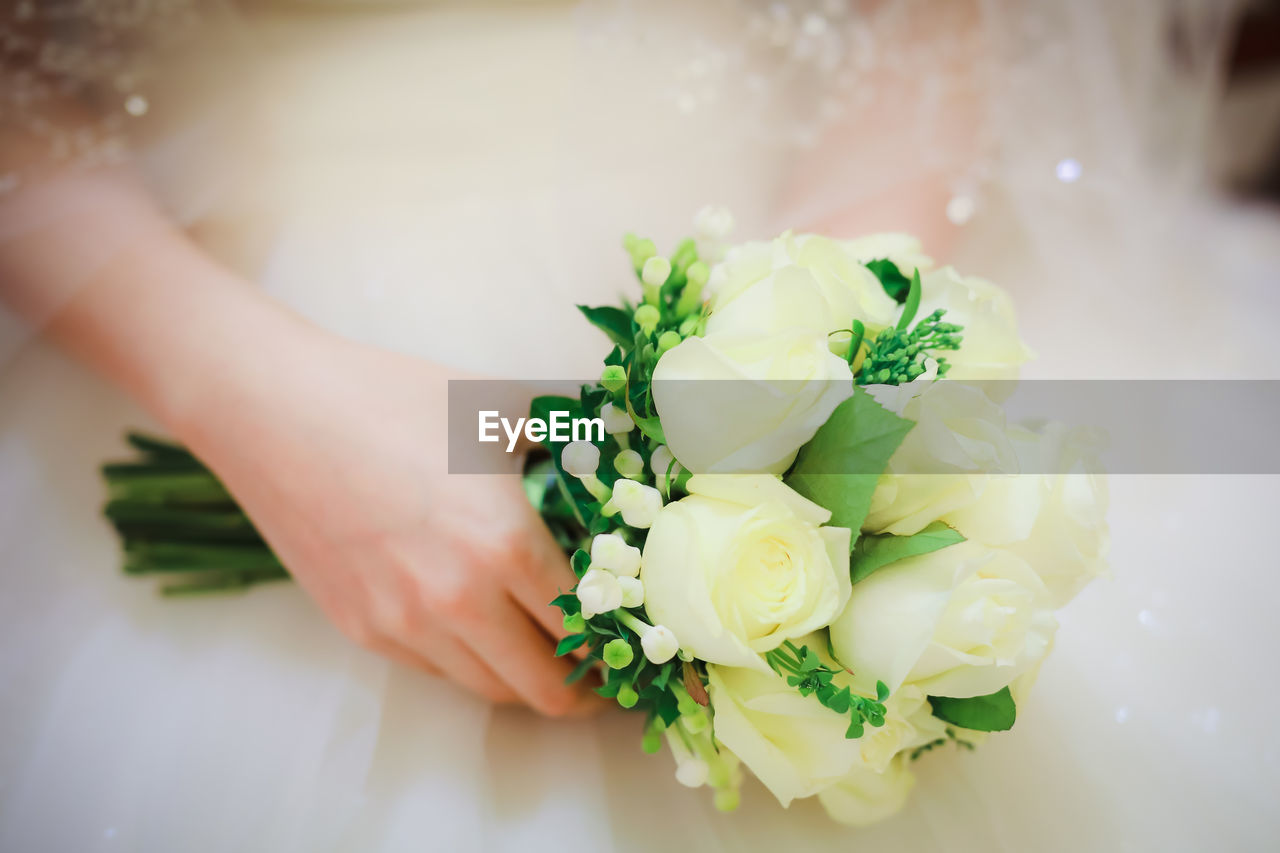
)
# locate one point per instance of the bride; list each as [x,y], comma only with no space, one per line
[329,209]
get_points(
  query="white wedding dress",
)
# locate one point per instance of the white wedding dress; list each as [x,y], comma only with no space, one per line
[448,181]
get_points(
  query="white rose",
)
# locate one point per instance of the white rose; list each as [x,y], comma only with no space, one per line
[864,796]
[905,251]
[965,620]
[908,723]
[746,404]
[806,279]
[770,395]
[940,471]
[1053,518]
[991,348]
[797,747]
[742,564]
[793,745]
[1068,544]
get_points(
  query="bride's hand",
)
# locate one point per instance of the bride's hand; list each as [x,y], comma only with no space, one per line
[336,451]
[338,454]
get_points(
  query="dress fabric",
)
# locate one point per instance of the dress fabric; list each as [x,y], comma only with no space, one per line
[426,178]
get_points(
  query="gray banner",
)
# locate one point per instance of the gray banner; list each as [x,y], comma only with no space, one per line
[1042,426]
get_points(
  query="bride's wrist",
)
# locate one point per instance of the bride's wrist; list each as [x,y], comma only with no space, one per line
[247,353]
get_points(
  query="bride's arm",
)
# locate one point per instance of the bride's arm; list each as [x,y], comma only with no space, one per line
[337,451]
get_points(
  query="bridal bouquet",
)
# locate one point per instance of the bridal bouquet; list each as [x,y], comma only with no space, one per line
[793,554]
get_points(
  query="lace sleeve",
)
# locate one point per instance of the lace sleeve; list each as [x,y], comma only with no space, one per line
[79,88]
[76,78]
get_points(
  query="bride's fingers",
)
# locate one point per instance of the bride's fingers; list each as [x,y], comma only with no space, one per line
[545,575]
[524,656]
[454,660]
[399,654]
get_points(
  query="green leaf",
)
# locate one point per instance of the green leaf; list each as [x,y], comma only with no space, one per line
[839,467]
[992,713]
[542,407]
[567,602]
[570,643]
[891,278]
[667,707]
[664,675]
[536,479]
[912,305]
[872,553]
[614,322]
[650,427]
[584,666]
[581,562]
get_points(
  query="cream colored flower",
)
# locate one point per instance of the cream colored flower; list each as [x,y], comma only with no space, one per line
[941,470]
[817,280]
[991,348]
[1053,517]
[905,251]
[962,621]
[865,797]
[742,564]
[747,403]
[795,745]
[1069,541]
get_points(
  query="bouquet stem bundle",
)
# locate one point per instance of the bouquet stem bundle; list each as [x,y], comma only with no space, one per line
[176,520]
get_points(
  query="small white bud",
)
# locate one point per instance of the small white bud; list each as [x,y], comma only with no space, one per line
[692,772]
[655,271]
[659,644]
[660,462]
[629,464]
[632,592]
[610,552]
[713,223]
[599,592]
[616,419]
[580,458]
[638,503]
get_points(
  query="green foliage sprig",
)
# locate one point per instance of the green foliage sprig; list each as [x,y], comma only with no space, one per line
[950,737]
[806,672]
[897,355]
[671,310]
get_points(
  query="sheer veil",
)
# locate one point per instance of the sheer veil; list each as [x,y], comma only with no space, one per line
[995,127]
